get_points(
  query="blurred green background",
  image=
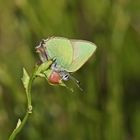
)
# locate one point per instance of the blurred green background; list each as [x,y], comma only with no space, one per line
[109,106]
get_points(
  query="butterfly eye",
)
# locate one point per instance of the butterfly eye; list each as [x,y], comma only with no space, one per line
[65,77]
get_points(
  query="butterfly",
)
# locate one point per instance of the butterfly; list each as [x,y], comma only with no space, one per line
[69,55]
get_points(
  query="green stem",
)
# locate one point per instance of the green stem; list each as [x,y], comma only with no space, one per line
[18,129]
[37,71]
[28,91]
[29,109]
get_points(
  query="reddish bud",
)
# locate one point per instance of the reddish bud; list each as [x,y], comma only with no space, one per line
[55,78]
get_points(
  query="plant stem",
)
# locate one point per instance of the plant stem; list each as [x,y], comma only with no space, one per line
[18,129]
[37,71]
[29,108]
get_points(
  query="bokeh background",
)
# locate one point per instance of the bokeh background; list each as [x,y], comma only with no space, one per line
[109,106]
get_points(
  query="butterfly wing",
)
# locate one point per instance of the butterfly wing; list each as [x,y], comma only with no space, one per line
[60,49]
[82,51]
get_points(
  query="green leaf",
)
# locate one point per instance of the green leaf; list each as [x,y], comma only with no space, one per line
[25,79]
[18,123]
[43,67]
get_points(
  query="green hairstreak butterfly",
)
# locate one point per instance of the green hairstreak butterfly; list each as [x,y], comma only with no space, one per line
[69,55]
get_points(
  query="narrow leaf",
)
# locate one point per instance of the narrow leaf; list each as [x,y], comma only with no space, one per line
[43,67]
[25,79]
[18,123]
[64,85]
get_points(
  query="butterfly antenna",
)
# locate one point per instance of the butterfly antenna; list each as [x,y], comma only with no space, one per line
[76,82]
